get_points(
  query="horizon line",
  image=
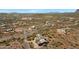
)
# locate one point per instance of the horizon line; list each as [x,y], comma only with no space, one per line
[37,10]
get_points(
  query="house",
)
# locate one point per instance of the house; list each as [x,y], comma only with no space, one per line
[61,31]
[18,29]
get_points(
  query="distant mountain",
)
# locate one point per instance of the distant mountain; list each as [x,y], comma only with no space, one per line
[77,10]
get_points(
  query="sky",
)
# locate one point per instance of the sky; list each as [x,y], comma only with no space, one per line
[36,10]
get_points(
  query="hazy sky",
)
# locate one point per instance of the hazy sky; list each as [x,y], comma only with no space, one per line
[35,10]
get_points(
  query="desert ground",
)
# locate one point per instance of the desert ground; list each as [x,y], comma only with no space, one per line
[39,31]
